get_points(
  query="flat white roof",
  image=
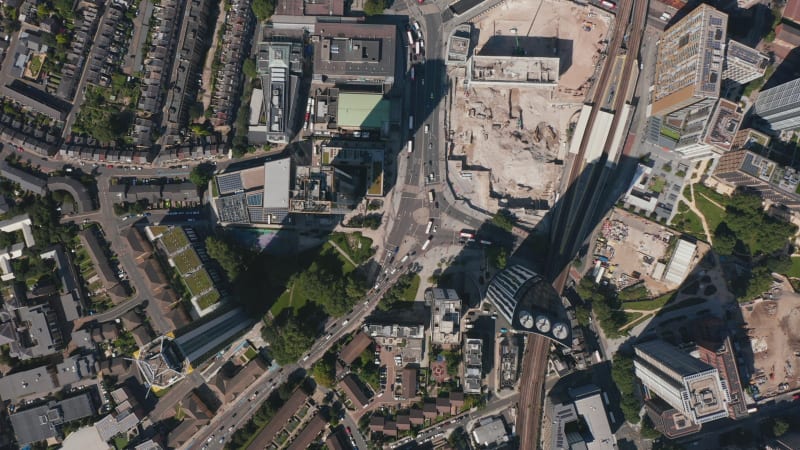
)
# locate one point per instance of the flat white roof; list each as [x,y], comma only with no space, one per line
[276,183]
[679,264]
[256,103]
[594,412]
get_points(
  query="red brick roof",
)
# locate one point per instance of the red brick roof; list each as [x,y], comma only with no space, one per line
[792,11]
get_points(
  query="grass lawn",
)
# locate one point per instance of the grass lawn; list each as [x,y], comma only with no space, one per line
[649,305]
[198,282]
[689,222]
[410,293]
[670,133]
[358,247]
[699,188]
[120,442]
[186,261]
[329,253]
[283,302]
[795,270]
[174,240]
[632,317]
[208,299]
[714,214]
[250,353]
[684,304]
[657,185]
[641,319]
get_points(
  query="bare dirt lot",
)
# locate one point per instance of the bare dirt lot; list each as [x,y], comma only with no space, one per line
[774,331]
[488,133]
[537,26]
[519,133]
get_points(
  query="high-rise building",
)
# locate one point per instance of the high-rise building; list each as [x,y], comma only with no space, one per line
[690,386]
[689,62]
[743,64]
[780,106]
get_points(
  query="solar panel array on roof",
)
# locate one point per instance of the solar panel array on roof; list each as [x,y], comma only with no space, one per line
[256,199]
[232,209]
[229,183]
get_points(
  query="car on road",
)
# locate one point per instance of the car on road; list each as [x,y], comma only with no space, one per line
[221,439]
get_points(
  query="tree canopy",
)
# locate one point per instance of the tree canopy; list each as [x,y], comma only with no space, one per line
[374,7]
[228,255]
[263,9]
[324,371]
[249,68]
[624,378]
[201,175]
[755,232]
[290,341]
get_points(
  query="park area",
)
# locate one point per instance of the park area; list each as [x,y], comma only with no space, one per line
[330,262]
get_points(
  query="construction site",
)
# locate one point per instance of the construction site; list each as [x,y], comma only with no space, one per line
[773,328]
[514,102]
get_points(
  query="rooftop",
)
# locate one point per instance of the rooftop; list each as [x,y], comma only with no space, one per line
[355,50]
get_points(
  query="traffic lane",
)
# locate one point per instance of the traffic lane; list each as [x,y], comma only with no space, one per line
[239,415]
[354,432]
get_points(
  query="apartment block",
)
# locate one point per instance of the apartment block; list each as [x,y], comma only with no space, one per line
[689,62]
[743,64]
[693,388]
[780,106]
[279,61]
[775,183]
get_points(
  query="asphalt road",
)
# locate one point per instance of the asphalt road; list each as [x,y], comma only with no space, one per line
[239,411]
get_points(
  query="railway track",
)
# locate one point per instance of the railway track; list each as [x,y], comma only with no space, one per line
[535,358]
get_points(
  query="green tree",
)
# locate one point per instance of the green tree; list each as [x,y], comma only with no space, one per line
[374,7]
[262,9]
[324,371]
[503,219]
[227,255]
[724,239]
[201,175]
[624,378]
[289,342]
[196,111]
[779,427]
[498,257]
[249,68]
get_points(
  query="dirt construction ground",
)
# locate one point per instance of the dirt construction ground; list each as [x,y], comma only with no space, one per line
[519,133]
[487,130]
[527,22]
[774,346]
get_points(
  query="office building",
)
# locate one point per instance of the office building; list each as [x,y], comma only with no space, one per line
[743,64]
[355,54]
[692,387]
[473,366]
[780,106]
[255,195]
[689,62]
[445,317]
[587,403]
[279,61]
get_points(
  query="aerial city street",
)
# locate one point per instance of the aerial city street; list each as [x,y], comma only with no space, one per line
[433,224]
